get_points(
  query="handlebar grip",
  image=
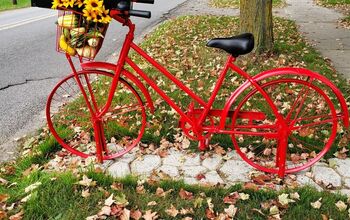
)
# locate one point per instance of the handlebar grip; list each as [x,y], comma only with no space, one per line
[144,1]
[140,13]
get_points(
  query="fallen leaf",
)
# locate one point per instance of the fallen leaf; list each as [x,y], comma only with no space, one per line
[284,200]
[274,210]
[4,197]
[210,204]
[232,198]
[109,201]
[324,217]
[341,205]
[140,189]
[200,176]
[152,203]
[106,210]
[137,214]
[231,211]
[93,217]
[186,211]
[25,199]
[209,214]
[244,196]
[198,202]
[17,216]
[125,214]
[32,187]
[85,193]
[149,215]
[185,194]
[116,210]
[317,204]
[295,195]
[251,186]
[161,193]
[121,200]
[3,181]
[3,214]
[172,211]
[87,182]
[117,186]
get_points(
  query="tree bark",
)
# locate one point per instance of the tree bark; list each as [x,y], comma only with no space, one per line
[256,18]
[14,2]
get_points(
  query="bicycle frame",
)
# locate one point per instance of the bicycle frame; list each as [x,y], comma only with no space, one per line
[207,106]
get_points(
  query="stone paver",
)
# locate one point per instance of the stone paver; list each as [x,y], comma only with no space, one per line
[212,163]
[212,177]
[174,158]
[326,176]
[193,171]
[169,170]
[236,171]
[119,169]
[192,160]
[341,166]
[145,166]
[304,180]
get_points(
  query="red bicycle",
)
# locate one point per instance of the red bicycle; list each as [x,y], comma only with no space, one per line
[280,121]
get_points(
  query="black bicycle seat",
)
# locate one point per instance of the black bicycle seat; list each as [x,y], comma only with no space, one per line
[236,45]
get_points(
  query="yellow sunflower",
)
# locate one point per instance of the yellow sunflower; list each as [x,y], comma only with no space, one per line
[57,3]
[89,14]
[68,3]
[93,5]
[79,3]
[104,16]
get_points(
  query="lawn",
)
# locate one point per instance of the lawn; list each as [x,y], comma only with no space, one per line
[7,4]
[235,3]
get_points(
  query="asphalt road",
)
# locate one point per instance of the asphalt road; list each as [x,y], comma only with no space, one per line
[30,66]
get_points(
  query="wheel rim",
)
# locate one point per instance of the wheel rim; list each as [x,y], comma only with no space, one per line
[70,120]
[310,136]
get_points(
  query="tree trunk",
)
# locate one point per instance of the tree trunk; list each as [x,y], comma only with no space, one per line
[256,18]
[14,2]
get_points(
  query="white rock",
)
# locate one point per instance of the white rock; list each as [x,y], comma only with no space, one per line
[192,160]
[169,170]
[304,181]
[127,158]
[342,166]
[145,166]
[347,182]
[119,169]
[212,177]
[236,170]
[174,158]
[326,176]
[345,192]
[193,171]
[212,163]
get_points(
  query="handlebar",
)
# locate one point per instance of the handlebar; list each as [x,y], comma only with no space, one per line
[140,13]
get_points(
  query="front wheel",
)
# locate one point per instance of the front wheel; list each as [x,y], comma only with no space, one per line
[71,118]
[311,126]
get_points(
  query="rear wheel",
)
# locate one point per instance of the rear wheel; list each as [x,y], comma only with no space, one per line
[306,110]
[71,120]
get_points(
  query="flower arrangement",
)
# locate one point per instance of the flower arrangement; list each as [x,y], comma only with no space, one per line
[93,10]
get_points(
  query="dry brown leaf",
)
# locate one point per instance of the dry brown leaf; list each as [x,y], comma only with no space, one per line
[149,215]
[341,205]
[317,204]
[186,211]
[152,203]
[209,214]
[232,198]
[172,211]
[17,216]
[85,193]
[137,214]
[231,211]
[4,197]
[87,182]
[324,217]
[251,186]
[106,210]
[109,201]
[117,186]
[125,214]
[200,176]
[3,214]
[185,194]
[140,189]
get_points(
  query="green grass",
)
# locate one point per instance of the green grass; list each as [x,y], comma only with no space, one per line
[334,2]
[7,4]
[59,197]
[235,3]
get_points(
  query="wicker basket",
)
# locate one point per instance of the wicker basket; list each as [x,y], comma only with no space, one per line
[78,37]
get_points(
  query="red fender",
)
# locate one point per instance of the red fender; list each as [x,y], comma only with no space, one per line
[286,71]
[127,74]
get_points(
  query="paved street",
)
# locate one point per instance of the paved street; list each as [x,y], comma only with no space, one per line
[30,66]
